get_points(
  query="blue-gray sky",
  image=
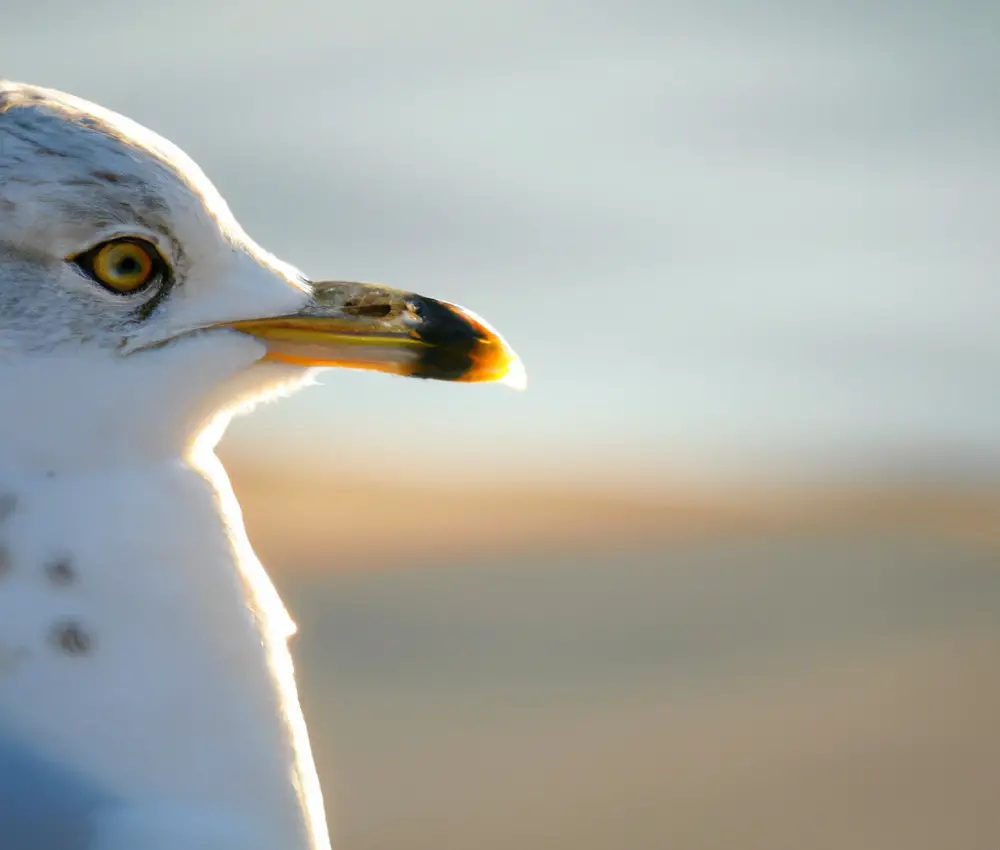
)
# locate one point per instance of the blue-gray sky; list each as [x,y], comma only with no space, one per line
[716,232]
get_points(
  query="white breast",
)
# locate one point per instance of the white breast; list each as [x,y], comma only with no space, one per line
[137,654]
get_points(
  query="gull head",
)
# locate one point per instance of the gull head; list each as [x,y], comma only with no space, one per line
[135,311]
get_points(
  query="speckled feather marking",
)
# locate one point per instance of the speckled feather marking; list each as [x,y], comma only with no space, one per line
[138,634]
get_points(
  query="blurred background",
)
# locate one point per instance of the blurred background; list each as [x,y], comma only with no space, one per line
[726,575]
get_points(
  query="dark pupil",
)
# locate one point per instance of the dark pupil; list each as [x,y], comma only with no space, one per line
[128,266]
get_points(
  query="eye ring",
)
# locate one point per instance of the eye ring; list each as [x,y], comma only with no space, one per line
[125,266]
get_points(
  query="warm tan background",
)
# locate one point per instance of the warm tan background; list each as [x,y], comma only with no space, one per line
[552,668]
[726,577]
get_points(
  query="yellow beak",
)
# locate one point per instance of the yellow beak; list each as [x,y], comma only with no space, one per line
[367,326]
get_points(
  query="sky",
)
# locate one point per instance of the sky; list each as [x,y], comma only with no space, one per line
[720,235]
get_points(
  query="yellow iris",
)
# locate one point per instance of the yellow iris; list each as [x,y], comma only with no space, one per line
[124,266]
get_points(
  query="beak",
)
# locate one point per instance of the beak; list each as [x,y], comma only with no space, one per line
[367,326]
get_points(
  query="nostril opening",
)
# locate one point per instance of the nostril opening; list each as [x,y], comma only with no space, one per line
[374,311]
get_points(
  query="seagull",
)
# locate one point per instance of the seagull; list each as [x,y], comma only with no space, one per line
[147,694]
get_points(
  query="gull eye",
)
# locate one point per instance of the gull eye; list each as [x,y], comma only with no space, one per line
[122,265]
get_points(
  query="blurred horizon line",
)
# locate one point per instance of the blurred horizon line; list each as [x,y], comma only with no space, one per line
[638,469]
[300,514]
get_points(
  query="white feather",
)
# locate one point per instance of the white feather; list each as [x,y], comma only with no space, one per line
[155,672]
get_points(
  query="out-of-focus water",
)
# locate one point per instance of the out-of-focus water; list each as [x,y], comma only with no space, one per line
[749,692]
[730,232]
